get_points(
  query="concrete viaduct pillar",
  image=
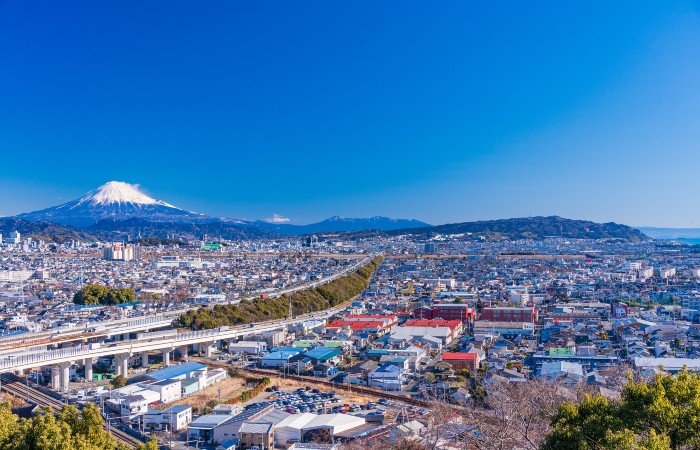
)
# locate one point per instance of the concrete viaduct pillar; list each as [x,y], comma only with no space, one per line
[87,362]
[121,364]
[55,377]
[166,358]
[60,376]
[207,348]
[183,352]
[144,360]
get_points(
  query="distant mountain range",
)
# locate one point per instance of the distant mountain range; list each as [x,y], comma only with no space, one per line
[50,232]
[117,209]
[340,224]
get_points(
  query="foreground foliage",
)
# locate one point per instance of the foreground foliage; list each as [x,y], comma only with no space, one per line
[661,414]
[259,309]
[70,429]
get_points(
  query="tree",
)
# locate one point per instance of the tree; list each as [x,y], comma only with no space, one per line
[95,294]
[663,413]
[152,444]
[118,382]
[8,422]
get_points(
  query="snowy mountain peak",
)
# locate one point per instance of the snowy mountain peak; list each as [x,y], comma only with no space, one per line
[118,192]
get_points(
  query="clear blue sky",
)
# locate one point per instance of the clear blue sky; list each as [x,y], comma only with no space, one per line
[439,111]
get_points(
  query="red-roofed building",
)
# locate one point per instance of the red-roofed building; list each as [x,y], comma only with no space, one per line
[378,327]
[389,320]
[462,360]
[446,311]
[509,314]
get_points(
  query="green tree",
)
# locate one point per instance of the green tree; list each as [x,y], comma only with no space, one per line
[118,381]
[44,432]
[152,444]
[95,294]
[8,422]
[663,413]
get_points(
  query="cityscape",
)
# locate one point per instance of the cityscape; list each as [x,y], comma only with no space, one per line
[339,227]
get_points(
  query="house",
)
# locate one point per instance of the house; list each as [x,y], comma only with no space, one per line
[388,377]
[175,418]
[324,370]
[256,434]
[462,360]
[407,430]
[558,369]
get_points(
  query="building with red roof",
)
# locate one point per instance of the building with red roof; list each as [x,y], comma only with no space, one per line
[446,311]
[462,360]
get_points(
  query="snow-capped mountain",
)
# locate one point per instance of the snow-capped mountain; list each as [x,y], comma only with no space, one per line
[117,201]
[117,207]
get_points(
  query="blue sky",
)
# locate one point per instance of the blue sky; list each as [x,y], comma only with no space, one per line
[443,112]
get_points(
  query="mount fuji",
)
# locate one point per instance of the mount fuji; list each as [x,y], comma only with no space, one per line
[117,208]
[113,201]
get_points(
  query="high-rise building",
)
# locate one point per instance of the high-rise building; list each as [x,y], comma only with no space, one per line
[14,238]
[120,252]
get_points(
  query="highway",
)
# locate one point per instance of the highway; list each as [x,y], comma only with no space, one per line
[166,343]
[163,319]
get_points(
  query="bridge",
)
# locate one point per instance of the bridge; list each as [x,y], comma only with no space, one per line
[156,321]
[61,359]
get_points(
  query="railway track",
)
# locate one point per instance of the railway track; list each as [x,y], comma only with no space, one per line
[15,386]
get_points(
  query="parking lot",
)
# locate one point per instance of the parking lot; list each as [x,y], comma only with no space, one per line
[312,400]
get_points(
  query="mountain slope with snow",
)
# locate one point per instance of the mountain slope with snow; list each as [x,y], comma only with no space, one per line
[116,201]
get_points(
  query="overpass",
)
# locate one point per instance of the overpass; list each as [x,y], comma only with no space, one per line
[158,320]
[61,359]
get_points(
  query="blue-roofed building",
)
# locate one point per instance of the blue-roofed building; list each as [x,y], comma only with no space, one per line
[179,372]
[388,377]
[231,444]
[278,358]
[321,355]
[377,353]
[288,349]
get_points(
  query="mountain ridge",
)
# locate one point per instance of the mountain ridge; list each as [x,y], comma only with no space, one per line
[538,228]
[343,224]
[118,208]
